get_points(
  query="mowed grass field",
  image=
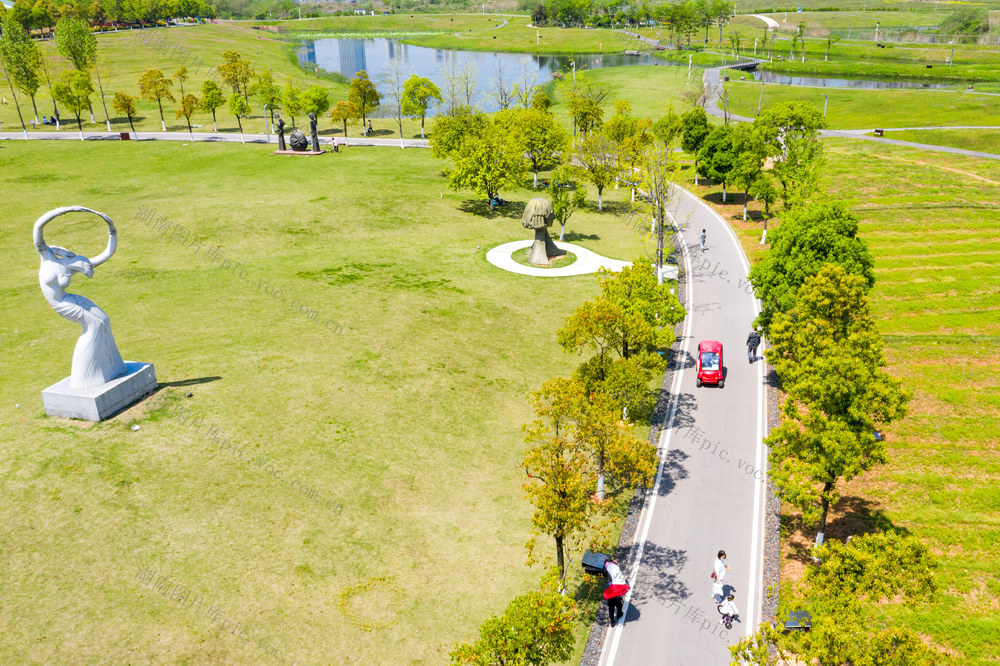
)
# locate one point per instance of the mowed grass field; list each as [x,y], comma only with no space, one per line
[410,419]
[853,108]
[932,222]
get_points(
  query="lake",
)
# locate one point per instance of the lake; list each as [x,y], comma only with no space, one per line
[350,56]
[783,79]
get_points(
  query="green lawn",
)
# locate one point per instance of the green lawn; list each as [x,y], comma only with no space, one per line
[853,108]
[987,141]
[931,223]
[411,418]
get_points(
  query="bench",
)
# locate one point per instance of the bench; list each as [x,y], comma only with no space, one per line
[879,132]
[798,621]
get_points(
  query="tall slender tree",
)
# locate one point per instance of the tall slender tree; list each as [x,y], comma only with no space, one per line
[21,58]
[364,95]
[211,99]
[73,92]
[154,87]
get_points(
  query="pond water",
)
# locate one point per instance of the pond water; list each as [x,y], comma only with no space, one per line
[350,56]
[783,79]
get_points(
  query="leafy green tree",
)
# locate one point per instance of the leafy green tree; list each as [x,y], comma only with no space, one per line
[668,128]
[567,196]
[449,131]
[315,100]
[763,190]
[239,107]
[831,39]
[751,152]
[806,240]
[21,60]
[632,135]
[211,99]
[717,157]
[587,113]
[189,104]
[694,131]
[536,628]
[125,105]
[488,163]
[266,91]
[181,75]
[73,92]
[154,87]
[600,159]
[291,99]
[76,43]
[539,134]
[365,96]
[345,112]
[237,73]
[557,467]
[791,134]
[828,353]
[418,95]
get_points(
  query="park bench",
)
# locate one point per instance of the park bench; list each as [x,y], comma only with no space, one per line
[879,132]
[798,621]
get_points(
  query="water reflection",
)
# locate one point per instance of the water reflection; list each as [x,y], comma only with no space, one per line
[350,56]
[782,79]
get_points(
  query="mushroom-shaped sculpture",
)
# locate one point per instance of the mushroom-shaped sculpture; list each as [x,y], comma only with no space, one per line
[538,215]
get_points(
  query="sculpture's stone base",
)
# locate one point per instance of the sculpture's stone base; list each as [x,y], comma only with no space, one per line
[98,403]
[299,152]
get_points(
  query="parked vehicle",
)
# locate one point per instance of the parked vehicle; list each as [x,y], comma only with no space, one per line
[710,363]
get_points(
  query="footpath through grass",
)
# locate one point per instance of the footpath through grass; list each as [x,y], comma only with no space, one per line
[410,419]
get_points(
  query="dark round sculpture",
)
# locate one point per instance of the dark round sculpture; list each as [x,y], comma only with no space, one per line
[298,141]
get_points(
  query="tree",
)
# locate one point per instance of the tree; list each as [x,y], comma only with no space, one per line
[76,43]
[153,87]
[266,91]
[181,75]
[828,353]
[459,88]
[488,163]
[536,628]
[806,240]
[418,95]
[189,104]
[631,134]
[831,39]
[315,100]
[21,59]
[344,112]
[660,173]
[523,89]
[791,134]
[601,159]
[500,89]
[717,157]
[236,73]
[540,135]
[694,130]
[722,11]
[211,99]
[750,154]
[668,128]
[763,190]
[558,462]
[125,105]
[364,95]
[566,197]
[291,99]
[240,108]
[73,92]
[395,79]
[449,131]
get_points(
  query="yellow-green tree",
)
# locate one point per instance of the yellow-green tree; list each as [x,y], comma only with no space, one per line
[73,91]
[364,95]
[125,105]
[154,87]
[189,104]
[211,99]
[345,112]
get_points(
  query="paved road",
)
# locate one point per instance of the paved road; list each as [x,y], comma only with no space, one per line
[771,23]
[74,135]
[713,86]
[706,496]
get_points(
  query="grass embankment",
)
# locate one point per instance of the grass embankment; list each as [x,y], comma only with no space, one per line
[987,141]
[411,418]
[854,108]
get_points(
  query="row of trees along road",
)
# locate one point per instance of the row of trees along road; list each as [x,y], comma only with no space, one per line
[680,19]
[44,14]
[584,463]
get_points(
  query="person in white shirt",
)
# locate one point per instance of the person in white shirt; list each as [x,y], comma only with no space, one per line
[720,566]
[729,611]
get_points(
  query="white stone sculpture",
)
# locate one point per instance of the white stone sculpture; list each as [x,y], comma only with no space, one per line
[96,360]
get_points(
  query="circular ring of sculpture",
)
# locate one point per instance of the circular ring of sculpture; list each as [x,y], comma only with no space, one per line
[53,214]
[96,359]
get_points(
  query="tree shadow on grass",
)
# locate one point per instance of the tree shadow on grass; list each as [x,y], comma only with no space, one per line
[481,208]
[573,236]
[192,382]
[851,516]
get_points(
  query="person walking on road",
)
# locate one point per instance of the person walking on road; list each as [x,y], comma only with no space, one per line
[615,590]
[753,341]
[720,567]
[704,238]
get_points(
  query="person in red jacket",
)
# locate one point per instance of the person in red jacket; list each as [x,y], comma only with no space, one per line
[615,590]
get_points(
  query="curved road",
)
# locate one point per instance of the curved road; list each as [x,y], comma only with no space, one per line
[709,491]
